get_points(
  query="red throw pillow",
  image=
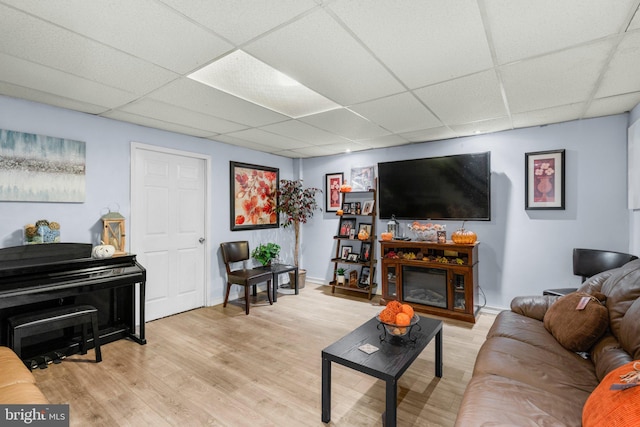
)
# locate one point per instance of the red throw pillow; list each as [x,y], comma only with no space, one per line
[620,407]
[577,330]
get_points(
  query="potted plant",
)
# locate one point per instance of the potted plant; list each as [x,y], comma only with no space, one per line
[296,204]
[340,275]
[266,253]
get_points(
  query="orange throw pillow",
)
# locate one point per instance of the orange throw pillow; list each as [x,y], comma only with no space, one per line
[606,407]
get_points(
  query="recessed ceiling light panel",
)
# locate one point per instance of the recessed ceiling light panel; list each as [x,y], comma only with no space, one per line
[246,77]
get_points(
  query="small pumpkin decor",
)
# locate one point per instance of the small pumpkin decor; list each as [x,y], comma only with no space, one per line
[363,234]
[340,212]
[463,236]
[103,251]
[345,188]
[386,236]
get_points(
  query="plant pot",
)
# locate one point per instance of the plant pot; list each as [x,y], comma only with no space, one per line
[340,279]
[302,275]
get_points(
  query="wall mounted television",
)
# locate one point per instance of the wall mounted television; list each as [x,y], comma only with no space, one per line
[454,187]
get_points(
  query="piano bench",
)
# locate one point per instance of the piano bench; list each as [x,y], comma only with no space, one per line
[37,322]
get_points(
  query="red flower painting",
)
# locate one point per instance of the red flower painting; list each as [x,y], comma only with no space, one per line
[254,196]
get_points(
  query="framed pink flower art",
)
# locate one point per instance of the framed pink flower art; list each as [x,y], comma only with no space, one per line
[544,180]
[253,196]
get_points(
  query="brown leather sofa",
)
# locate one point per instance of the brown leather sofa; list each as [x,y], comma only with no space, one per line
[524,377]
[17,384]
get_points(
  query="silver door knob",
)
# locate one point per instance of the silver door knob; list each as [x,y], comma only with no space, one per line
[201,240]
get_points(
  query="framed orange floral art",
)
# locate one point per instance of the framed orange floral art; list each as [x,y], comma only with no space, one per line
[253,196]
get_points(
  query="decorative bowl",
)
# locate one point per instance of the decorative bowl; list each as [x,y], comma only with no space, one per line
[426,232]
[397,330]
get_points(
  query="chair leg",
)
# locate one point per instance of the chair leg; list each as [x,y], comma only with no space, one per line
[269,292]
[96,337]
[246,299]
[226,296]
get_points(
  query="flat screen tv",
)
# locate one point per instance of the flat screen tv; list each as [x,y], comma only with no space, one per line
[438,188]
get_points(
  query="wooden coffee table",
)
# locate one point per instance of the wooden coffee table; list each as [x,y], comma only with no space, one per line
[392,359]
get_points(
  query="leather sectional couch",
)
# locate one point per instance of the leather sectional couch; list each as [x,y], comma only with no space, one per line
[524,377]
[17,383]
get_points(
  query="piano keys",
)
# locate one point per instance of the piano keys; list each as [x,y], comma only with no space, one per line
[33,277]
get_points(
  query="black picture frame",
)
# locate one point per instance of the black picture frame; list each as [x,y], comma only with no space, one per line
[352,257]
[365,252]
[253,196]
[345,251]
[364,226]
[333,196]
[345,227]
[365,276]
[544,180]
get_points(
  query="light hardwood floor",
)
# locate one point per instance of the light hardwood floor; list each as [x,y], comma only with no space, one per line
[216,366]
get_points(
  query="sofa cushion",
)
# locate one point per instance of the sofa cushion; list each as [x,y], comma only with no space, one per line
[622,288]
[13,370]
[577,329]
[606,407]
[629,335]
[22,394]
[607,354]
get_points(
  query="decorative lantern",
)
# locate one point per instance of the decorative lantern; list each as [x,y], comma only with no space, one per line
[113,232]
[393,227]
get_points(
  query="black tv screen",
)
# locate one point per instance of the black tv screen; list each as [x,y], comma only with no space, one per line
[439,188]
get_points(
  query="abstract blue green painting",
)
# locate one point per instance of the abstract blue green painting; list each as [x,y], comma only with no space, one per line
[39,168]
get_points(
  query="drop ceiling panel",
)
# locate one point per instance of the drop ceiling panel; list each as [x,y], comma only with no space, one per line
[384,141]
[623,73]
[24,73]
[438,133]
[467,99]
[521,29]
[558,79]
[314,151]
[485,126]
[613,105]
[262,137]
[241,20]
[635,22]
[345,123]
[48,98]
[243,143]
[29,38]
[422,42]
[195,96]
[541,117]
[397,113]
[304,132]
[317,52]
[157,124]
[143,28]
[172,114]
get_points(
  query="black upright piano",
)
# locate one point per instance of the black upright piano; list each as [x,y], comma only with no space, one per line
[35,277]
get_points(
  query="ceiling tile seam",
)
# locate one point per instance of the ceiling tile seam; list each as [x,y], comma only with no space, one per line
[154,119]
[603,71]
[494,58]
[298,139]
[632,14]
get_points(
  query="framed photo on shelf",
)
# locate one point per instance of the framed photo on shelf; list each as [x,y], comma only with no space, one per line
[346,207]
[367,207]
[365,277]
[362,179]
[253,192]
[346,225]
[353,279]
[365,252]
[333,196]
[544,180]
[352,233]
[353,257]
[364,226]
[346,250]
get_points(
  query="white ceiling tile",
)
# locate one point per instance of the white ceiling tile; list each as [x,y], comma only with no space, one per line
[304,132]
[172,114]
[24,73]
[228,139]
[48,98]
[195,96]
[241,20]
[521,29]
[345,123]
[557,79]
[314,151]
[482,127]
[154,123]
[398,113]
[384,141]
[467,99]
[613,105]
[422,42]
[623,73]
[635,22]
[429,134]
[563,113]
[144,28]
[277,141]
[29,38]
[317,52]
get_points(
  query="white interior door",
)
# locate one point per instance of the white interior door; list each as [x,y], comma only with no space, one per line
[168,228]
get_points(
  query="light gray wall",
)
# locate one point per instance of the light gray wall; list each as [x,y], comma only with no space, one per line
[108,184]
[521,252]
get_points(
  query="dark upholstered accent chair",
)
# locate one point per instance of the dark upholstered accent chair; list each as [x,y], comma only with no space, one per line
[239,252]
[589,262]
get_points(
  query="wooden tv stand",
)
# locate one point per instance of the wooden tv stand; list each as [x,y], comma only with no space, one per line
[434,278]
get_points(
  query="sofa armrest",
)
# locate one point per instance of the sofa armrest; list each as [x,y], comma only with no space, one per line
[534,307]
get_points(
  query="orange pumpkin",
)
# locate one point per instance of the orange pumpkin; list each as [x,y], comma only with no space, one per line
[345,188]
[403,319]
[340,212]
[464,237]
[363,234]
[386,236]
